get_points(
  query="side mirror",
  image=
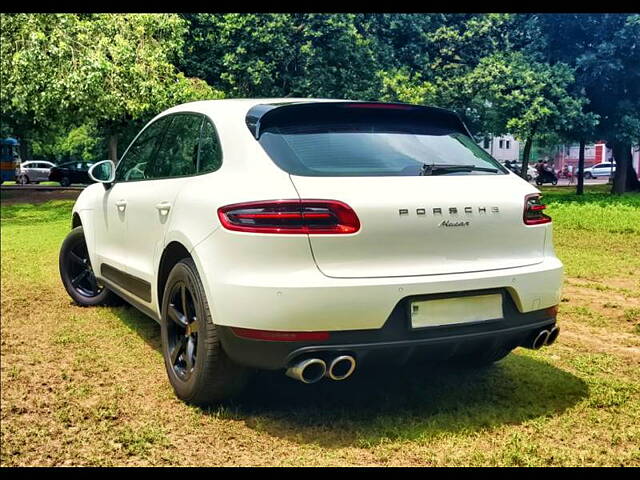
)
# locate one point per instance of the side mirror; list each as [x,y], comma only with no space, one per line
[103,172]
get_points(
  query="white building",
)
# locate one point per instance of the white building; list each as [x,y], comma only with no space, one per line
[502,148]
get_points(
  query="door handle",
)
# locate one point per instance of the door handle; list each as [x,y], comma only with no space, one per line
[163,207]
[121,204]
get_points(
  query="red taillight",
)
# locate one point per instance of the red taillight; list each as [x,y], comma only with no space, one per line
[552,311]
[290,216]
[533,210]
[275,336]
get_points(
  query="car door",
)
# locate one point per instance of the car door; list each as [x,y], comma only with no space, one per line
[604,170]
[43,172]
[36,168]
[111,237]
[26,169]
[150,202]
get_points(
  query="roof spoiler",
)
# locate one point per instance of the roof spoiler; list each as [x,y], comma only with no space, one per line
[262,116]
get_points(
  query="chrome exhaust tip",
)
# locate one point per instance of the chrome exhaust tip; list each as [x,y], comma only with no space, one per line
[553,335]
[310,370]
[341,367]
[540,340]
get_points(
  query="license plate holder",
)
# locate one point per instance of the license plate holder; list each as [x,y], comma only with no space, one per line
[455,310]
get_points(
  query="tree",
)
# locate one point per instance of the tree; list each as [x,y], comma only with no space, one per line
[282,55]
[106,69]
[524,97]
[605,52]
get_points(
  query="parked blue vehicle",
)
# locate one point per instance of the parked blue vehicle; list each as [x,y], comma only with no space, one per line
[9,159]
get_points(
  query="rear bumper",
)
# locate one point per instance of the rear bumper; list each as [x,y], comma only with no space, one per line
[396,341]
[283,290]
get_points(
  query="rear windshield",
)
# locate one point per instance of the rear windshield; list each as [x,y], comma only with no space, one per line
[375,148]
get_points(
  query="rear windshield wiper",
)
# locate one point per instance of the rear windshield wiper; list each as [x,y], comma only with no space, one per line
[434,168]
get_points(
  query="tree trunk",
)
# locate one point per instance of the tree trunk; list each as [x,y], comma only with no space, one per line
[525,156]
[620,177]
[580,173]
[626,178]
[633,184]
[113,147]
[24,150]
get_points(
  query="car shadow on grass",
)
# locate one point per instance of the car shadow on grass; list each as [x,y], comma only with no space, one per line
[407,403]
[394,403]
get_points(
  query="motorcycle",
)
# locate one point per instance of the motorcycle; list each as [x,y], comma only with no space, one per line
[547,176]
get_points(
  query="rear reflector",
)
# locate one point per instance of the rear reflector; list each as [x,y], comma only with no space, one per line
[290,216]
[280,336]
[552,311]
[533,210]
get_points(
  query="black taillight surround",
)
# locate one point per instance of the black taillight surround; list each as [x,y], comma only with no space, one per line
[534,210]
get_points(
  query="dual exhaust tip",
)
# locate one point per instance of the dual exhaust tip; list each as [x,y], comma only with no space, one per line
[312,370]
[545,337]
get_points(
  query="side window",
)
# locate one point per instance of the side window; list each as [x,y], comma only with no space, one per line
[210,151]
[178,152]
[133,166]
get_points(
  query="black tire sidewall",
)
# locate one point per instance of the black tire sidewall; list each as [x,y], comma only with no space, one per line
[75,237]
[65,182]
[182,272]
[185,271]
[215,377]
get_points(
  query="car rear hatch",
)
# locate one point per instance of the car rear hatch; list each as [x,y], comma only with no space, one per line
[428,199]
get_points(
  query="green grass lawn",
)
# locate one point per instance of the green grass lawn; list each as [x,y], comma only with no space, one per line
[87,386]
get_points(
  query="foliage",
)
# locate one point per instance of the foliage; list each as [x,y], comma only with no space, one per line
[538,76]
[108,69]
[400,85]
[522,96]
[274,55]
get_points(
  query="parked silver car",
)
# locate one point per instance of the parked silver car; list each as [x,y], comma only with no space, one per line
[605,169]
[33,171]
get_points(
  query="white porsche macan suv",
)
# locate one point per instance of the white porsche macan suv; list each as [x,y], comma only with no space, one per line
[314,236]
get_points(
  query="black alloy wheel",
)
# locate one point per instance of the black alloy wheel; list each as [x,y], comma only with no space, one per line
[77,273]
[198,368]
[182,331]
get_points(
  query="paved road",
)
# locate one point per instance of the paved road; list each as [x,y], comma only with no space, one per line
[563,182]
[41,187]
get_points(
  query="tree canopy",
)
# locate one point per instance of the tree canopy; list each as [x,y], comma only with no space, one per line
[68,77]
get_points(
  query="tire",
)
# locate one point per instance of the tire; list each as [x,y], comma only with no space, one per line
[65,182]
[77,274]
[554,182]
[23,180]
[538,182]
[588,175]
[529,178]
[199,370]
